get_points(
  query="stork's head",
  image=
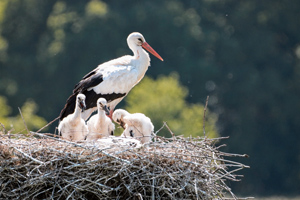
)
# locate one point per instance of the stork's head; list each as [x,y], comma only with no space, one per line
[102,105]
[136,39]
[81,101]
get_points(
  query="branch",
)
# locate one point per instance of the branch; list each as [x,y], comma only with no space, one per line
[48,124]
[3,128]
[23,120]
[173,135]
[204,115]
[28,156]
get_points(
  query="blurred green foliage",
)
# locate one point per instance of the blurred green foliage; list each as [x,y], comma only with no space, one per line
[4,111]
[244,54]
[16,124]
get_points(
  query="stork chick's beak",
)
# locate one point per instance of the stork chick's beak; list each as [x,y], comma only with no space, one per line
[147,47]
[106,109]
[82,105]
[122,124]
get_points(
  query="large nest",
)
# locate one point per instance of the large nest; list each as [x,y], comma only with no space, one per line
[45,167]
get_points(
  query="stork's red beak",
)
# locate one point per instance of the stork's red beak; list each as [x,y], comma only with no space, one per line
[146,46]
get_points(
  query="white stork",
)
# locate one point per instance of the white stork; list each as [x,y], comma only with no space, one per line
[100,125]
[136,125]
[118,117]
[113,80]
[73,127]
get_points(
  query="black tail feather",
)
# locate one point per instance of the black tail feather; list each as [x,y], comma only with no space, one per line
[69,107]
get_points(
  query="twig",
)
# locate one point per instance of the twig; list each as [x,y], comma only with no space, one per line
[204,115]
[48,124]
[164,124]
[23,120]
[173,135]
[3,127]
[26,155]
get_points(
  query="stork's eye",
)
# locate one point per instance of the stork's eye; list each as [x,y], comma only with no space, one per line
[140,39]
[118,120]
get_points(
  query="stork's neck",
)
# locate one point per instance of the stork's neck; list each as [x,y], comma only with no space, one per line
[142,61]
[77,112]
[101,114]
[142,56]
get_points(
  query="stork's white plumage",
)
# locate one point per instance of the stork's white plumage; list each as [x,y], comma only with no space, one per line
[136,125]
[118,117]
[100,125]
[113,80]
[73,127]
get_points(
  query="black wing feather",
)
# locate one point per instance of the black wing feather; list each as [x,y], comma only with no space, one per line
[92,97]
[88,81]
[69,107]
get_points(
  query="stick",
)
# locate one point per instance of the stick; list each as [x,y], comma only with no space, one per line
[173,135]
[48,124]
[31,158]
[164,124]
[3,127]
[204,115]
[24,121]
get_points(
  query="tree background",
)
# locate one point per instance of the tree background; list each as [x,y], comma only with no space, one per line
[244,54]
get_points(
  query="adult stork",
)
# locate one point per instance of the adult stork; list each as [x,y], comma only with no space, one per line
[113,80]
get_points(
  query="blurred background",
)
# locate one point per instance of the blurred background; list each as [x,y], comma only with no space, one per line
[244,54]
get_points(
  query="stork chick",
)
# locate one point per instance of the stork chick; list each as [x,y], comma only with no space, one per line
[100,125]
[73,127]
[118,116]
[136,125]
